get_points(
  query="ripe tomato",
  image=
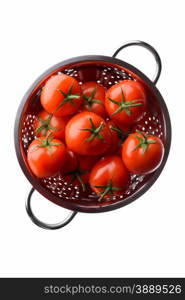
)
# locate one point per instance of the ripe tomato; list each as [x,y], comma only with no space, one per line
[117,137]
[46,156]
[125,128]
[114,137]
[87,134]
[94,98]
[45,124]
[125,101]
[80,175]
[142,153]
[71,162]
[109,177]
[61,95]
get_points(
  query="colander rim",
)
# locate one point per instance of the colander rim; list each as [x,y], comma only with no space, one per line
[76,206]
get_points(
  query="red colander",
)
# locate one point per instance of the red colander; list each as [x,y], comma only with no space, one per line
[107,71]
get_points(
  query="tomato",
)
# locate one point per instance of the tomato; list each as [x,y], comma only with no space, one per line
[45,124]
[71,162]
[46,156]
[125,128]
[109,177]
[117,137]
[61,95]
[87,134]
[114,137]
[94,98]
[126,101]
[80,175]
[142,153]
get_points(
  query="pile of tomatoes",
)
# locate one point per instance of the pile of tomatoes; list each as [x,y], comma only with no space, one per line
[85,132]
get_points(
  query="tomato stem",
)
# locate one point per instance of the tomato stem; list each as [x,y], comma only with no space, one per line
[122,135]
[144,141]
[79,178]
[107,189]
[125,105]
[68,97]
[47,142]
[76,174]
[90,100]
[95,131]
[45,125]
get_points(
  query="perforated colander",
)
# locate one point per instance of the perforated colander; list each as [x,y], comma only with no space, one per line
[107,71]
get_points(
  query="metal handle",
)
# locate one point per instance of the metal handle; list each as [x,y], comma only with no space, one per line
[151,49]
[41,224]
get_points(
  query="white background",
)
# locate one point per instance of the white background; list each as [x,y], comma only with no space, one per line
[145,238]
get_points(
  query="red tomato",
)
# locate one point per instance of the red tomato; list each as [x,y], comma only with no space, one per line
[142,153]
[45,124]
[125,101]
[117,137]
[87,134]
[61,95]
[46,156]
[125,128]
[71,162]
[109,177]
[114,138]
[94,98]
[80,176]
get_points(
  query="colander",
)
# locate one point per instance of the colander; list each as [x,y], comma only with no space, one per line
[107,71]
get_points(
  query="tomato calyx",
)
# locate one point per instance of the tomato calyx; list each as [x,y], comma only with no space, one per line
[120,133]
[76,174]
[68,97]
[90,100]
[144,141]
[45,125]
[95,131]
[124,105]
[107,189]
[47,142]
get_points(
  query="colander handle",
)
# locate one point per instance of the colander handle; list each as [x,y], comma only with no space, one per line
[151,49]
[41,224]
